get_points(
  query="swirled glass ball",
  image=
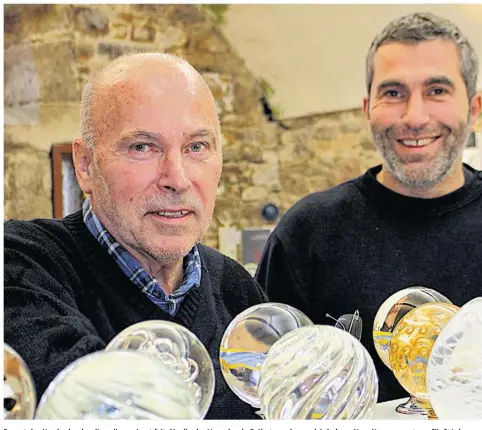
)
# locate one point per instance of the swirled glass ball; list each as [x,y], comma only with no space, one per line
[412,343]
[19,397]
[318,372]
[394,309]
[248,339]
[117,385]
[177,347]
[454,372]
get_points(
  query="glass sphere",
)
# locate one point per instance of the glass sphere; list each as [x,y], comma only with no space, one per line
[117,385]
[19,397]
[412,343]
[454,372]
[318,372]
[177,347]
[248,339]
[394,309]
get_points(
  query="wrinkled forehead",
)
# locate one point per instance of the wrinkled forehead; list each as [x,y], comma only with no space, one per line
[169,91]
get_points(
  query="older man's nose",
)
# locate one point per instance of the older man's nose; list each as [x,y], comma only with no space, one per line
[173,174]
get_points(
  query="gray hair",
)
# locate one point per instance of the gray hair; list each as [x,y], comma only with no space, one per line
[423,26]
[87,126]
[86,121]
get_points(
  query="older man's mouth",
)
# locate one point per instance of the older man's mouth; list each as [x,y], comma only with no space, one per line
[172,215]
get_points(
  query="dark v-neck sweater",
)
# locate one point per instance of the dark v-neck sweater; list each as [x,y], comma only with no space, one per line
[65,297]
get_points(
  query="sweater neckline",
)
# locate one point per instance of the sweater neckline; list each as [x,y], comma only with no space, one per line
[94,252]
[388,199]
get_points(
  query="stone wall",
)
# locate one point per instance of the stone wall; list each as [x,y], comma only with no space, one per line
[50,50]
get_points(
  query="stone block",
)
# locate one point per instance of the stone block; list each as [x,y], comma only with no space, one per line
[254,194]
[351,122]
[84,51]
[40,73]
[250,214]
[205,61]
[247,95]
[23,22]
[296,145]
[56,66]
[213,41]
[297,184]
[27,182]
[366,141]
[22,114]
[143,33]
[157,10]
[243,145]
[227,209]
[271,131]
[169,38]
[91,21]
[270,157]
[266,176]
[326,129]
[222,87]
[187,14]
[55,123]
[114,50]
[22,85]
[252,119]
[236,173]
[119,30]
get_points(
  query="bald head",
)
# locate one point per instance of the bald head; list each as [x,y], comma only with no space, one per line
[115,89]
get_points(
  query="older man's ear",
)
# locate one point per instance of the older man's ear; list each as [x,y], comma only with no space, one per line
[82,157]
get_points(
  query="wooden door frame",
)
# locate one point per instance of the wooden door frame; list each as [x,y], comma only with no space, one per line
[59,151]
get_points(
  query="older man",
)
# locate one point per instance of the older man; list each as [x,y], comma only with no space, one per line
[150,161]
[414,220]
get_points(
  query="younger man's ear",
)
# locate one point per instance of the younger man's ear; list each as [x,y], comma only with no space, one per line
[475,108]
[366,106]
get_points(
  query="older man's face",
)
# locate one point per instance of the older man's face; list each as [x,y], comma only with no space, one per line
[155,174]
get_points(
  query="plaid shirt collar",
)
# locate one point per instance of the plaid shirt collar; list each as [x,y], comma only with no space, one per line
[134,271]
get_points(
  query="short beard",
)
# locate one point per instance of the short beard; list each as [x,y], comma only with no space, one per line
[441,166]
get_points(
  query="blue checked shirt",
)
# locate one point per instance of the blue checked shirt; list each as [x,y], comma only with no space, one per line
[131,267]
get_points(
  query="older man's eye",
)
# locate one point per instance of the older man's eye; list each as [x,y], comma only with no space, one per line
[140,147]
[198,146]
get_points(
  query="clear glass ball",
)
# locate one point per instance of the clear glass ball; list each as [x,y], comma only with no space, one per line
[248,339]
[412,343]
[117,385]
[318,372]
[177,347]
[393,309]
[454,372]
[19,396]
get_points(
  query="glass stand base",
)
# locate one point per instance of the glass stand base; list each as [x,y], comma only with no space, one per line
[411,407]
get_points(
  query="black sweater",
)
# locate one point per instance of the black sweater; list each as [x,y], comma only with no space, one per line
[354,245]
[66,297]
